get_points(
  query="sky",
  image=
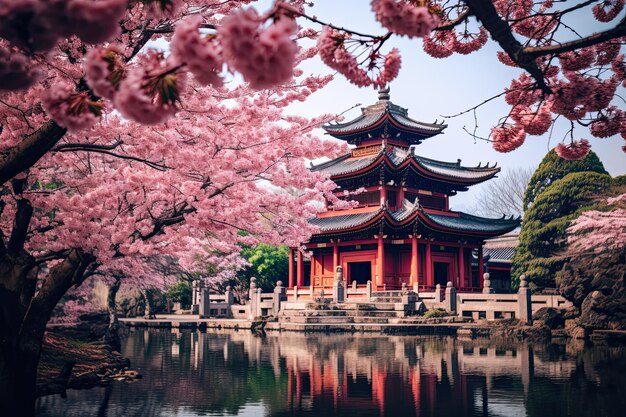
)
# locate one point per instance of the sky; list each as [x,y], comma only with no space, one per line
[432,88]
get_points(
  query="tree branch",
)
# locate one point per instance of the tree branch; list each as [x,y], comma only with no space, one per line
[26,153]
[501,32]
[594,39]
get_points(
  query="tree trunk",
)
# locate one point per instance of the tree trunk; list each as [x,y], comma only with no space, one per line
[22,325]
[112,336]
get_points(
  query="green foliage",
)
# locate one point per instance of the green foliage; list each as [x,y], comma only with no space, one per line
[181,292]
[268,264]
[553,168]
[542,237]
[435,312]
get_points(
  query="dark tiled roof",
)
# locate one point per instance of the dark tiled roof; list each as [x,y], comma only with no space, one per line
[343,221]
[467,222]
[463,223]
[371,115]
[346,164]
[499,254]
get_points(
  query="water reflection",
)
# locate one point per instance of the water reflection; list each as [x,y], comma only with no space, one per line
[237,373]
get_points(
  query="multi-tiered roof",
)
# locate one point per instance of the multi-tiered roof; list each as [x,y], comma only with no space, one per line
[385,136]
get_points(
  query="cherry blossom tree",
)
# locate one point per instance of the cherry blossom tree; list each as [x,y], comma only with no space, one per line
[113,153]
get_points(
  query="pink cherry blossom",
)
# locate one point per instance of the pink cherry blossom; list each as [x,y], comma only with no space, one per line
[150,93]
[16,70]
[104,70]
[535,122]
[574,151]
[72,110]
[607,10]
[404,18]
[440,44]
[334,54]
[577,60]
[202,55]
[608,123]
[391,68]
[507,138]
[467,42]
[265,57]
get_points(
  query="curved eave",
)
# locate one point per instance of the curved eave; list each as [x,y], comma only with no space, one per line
[419,167]
[344,132]
[428,221]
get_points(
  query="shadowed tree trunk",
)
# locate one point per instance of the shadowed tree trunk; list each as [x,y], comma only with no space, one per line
[112,336]
[22,325]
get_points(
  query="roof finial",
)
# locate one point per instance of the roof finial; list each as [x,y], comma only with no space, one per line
[383,93]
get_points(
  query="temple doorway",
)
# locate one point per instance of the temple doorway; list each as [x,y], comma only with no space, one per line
[361,272]
[441,270]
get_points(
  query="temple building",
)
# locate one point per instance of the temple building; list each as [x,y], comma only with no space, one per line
[402,231]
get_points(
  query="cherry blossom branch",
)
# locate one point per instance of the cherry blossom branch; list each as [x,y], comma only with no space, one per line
[500,31]
[596,38]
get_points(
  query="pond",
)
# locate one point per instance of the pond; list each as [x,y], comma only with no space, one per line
[229,373]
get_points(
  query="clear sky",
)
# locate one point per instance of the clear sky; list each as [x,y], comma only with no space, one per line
[430,88]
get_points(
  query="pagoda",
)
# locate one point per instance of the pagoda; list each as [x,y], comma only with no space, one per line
[402,231]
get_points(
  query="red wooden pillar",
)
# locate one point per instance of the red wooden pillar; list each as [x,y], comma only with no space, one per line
[300,271]
[313,270]
[461,282]
[290,267]
[481,270]
[380,262]
[335,257]
[429,266]
[414,261]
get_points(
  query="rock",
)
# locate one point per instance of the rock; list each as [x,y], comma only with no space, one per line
[559,333]
[596,285]
[550,316]
[574,329]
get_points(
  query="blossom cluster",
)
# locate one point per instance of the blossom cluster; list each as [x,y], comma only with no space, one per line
[332,50]
[405,18]
[264,56]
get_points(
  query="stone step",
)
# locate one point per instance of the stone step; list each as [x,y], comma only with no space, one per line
[373,313]
[321,320]
[370,306]
[376,320]
[387,300]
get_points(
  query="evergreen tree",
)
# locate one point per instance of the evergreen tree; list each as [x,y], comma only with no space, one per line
[268,264]
[543,234]
[553,167]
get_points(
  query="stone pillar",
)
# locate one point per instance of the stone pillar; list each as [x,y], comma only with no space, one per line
[524,301]
[380,263]
[295,293]
[338,287]
[253,298]
[487,284]
[230,296]
[279,297]
[438,294]
[291,281]
[204,305]
[195,292]
[450,301]
[259,312]
[369,289]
